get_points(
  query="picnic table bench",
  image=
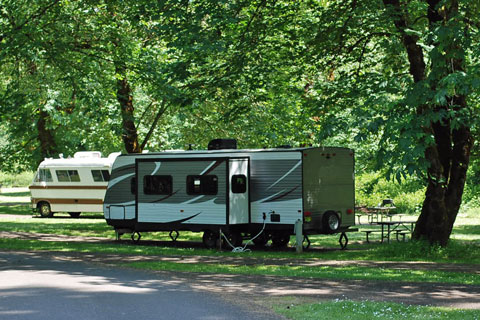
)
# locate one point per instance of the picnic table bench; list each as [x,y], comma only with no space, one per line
[399,228]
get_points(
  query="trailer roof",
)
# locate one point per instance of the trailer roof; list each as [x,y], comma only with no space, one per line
[226,151]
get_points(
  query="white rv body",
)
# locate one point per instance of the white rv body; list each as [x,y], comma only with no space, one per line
[72,185]
[236,191]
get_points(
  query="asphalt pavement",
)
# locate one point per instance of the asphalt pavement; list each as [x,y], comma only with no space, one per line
[35,287]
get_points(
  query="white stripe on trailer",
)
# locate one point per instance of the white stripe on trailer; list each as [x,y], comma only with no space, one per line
[208,168]
[119,179]
[157,167]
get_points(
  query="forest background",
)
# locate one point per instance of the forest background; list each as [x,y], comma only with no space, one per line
[398,81]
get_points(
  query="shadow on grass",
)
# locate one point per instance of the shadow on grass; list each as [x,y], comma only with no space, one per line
[15,209]
[15,194]
[467,229]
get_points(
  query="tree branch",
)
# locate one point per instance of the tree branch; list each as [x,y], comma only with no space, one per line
[160,112]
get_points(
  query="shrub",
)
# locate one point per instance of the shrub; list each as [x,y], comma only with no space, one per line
[16,180]
[372,188]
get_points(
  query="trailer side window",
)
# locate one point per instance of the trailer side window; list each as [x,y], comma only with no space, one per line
[239,183]
[157,184]
[67,176]
[207,185]
[43,175]
[100,175]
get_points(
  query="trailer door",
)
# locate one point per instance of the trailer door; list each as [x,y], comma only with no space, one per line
[239,200]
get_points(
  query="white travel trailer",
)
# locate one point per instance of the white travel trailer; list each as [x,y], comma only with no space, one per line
[72,185]
[237,192]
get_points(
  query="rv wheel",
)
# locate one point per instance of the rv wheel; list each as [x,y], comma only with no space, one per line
[44,210]
[280,240]
[210,239]
[235,239]
[74,214]
[261,240]
[331,221]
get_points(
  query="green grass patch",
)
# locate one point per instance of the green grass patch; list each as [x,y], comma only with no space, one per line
[63,226]
[366,310]
[348,272]
[16,210]
[457,252]
[101,248]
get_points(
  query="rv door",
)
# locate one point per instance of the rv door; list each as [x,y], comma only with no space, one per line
[239,200]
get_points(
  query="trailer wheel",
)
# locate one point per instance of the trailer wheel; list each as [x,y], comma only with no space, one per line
[261,240]
[280,240]
[74,214]
[210,239]
[331,221]
[235,238]
[44,210]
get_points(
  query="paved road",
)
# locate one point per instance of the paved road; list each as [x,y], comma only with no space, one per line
[35,287]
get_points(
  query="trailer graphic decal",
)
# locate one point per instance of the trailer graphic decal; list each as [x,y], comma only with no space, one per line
[282,196]
[285,175]
[166,197]
[211,167]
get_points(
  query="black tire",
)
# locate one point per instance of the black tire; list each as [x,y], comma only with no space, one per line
[261,240]
[280,240]
[235,238]
[210,239]
[74,214]
[44,210]
[331,222]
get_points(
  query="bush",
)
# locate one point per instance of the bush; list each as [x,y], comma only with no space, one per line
[372,188]
[16,180]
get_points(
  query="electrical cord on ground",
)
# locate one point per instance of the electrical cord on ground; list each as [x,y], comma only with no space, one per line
[244,248]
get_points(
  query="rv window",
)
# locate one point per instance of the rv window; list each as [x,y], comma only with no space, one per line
[202,185]
[43,175]
[68,176]
[100,175]
[157,184]
[239,183]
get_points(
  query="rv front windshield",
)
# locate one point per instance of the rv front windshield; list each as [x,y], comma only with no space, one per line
[43,175]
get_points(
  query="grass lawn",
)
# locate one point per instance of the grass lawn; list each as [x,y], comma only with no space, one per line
[366,310]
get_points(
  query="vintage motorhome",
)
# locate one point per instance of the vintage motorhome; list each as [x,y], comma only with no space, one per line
[237,192]
[72,185]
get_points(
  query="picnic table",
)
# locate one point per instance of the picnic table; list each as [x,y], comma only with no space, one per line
[398,227]
[374,214]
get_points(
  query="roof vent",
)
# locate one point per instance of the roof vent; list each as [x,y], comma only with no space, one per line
[87,154]
[219,144]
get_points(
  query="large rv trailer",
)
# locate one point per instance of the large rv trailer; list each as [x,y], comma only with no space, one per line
[72,185]
[236,192]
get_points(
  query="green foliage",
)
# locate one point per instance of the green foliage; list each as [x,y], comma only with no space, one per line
[23,179]
[372,188]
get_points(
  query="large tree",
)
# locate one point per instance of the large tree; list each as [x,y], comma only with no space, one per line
[408,72]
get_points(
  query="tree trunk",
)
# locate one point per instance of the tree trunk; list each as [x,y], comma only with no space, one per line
[449,156]
[125,99]
[48,147]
